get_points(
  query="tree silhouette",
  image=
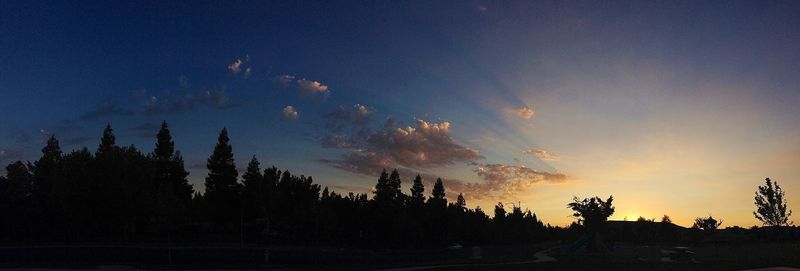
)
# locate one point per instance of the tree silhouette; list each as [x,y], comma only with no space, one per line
[120,194]
[172,188]
[438,199]
[107,142]
[771,205]
[254,191]
[592,213]
[708,225]
[45,170]
[222,187]
[417,198]
[16,186]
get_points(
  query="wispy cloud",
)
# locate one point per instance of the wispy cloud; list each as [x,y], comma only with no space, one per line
[283,80]
[76,141]
[183,81]
[186,100]
[106,109]
[507,180]
[146,130]
[543,154]
[7,156]
[524,112]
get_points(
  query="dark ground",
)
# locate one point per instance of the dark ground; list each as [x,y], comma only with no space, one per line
[233,256]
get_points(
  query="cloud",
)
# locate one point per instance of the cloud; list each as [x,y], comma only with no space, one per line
[248,72]
[183,81]
[283,80]
[147,129]
[310,87]
[361,162]
[524,112]
[185,100]
[76,141]
[289,113]
[8,156]
[508,180]
[107,109]
[236,66]
[336,142]
[361,111]
[424,145]
[543,154]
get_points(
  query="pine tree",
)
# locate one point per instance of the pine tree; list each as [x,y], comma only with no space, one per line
[254,190]
[108,142]
[393,187]
[165,147]
[45,171]
[170,171]
[437,195]
[170,183]
[461,203]
[382,188]
[222,187]
[417,190]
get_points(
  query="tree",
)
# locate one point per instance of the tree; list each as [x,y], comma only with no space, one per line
[593,213]
[45,171]
[438,199]
[107,142]
[417,190]
[173,191]
[771,205]
[222,188]
[16,186]
[461,203]
[387,190]
[706,224]
[169,169]
[381,188]
[254,190]
[499,212]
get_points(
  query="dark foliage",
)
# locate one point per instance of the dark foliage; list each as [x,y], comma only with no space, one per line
[122,194]
[771,205]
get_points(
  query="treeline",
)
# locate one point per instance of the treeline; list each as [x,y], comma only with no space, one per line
[121,194]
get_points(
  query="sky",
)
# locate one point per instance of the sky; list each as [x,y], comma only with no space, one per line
[673,107]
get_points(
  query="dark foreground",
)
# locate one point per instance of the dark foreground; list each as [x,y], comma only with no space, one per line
[539,257]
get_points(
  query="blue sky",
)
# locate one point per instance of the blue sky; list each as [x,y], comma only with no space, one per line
[512,101]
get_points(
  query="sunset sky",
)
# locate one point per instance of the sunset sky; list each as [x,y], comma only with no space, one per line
[676,107]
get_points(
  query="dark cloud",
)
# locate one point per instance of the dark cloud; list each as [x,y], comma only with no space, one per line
[346,127]
[76,141]
[424,145]
[8,156]
[107,109]
[361,162]
[146,130]
[184,100]
[183,81]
